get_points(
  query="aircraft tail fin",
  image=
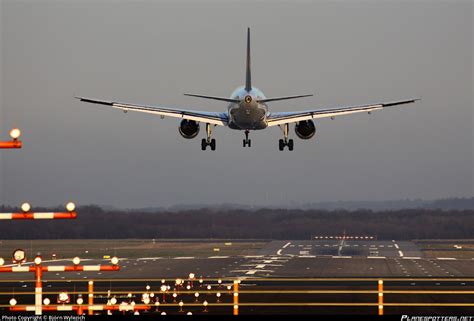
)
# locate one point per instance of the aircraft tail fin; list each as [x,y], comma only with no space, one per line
[248,78]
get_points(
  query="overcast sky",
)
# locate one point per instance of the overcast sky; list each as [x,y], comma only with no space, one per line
[151,52]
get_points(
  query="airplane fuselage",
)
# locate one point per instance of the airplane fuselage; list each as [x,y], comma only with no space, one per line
[248,113]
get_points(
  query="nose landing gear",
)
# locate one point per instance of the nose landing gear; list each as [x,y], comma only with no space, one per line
[285,141]
[247,141]
[208,141]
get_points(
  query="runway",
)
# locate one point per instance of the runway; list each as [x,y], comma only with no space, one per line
[280,266]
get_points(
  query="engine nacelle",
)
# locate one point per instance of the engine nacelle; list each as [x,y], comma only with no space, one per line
[189,128]
[305,129]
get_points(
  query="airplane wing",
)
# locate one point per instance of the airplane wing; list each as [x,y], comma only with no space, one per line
[220,119]
[279,118]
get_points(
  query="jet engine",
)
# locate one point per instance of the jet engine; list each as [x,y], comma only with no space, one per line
[189,128]
[305,129]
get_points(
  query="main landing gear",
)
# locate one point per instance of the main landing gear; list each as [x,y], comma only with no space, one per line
[247,141]
[208,141]
[285,141]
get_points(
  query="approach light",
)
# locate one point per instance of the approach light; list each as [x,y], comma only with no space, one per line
[205,303]
[208,287]
[19,256]
[229,287]
[189,313]
[13,302]
[219,281]
[114,260]
[70,207]
[188,287]
[147,287]
[163,288]
[46,301]
[15,133]
[25,207]
[76,260]
[80,300]
[113,301]
[2,261]
[38,260]
[63,298]
[191,276]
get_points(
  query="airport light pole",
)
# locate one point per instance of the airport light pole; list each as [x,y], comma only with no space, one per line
[26,214]
[14,143]
[38,269]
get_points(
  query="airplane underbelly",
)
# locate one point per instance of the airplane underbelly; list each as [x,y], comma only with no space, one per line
[248,118]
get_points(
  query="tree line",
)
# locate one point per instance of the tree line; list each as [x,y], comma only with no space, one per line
[96,222]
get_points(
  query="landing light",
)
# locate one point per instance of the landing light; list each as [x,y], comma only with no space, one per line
[70,207]
[25,207]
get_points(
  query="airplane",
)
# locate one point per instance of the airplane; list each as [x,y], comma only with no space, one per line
[247,110]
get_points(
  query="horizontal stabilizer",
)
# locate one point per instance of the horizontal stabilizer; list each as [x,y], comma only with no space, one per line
[266,100]
[230,100]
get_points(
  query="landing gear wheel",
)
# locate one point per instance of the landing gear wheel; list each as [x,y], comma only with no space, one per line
[213,144]
[281,144]
[203,144]
[290,144]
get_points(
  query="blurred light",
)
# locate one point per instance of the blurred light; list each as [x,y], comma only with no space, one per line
[38,260]
[205,303]
[196,294]
[189,313]
[80,300]
[2,261]
[188,287]
[76,260]
[208,287]
[70,207]
[229,287]
[163,313]
[114,260]
[152,295]
[25,207]
[147,287]
[113,301]
[218,294]
[180,303]
[19,256]
[201,280]
[146,300]
[63,297]
[163,288]
[46,301]
[136,313]
[163,281]
[13,302]
[191,276]
[15,133]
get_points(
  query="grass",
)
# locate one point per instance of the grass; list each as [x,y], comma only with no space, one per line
[134,248]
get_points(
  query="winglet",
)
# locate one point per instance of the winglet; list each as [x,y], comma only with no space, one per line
[248,78]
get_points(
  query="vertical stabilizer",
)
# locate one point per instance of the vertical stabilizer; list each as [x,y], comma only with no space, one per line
[248,78]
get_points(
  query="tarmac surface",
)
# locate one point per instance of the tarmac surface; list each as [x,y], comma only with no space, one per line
[400,264]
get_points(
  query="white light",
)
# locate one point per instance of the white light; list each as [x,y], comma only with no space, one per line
[163,288]
[136,313]
[113,301]
[38,260]
[46,301]
[2,261]
[188,287]
[114,260]
[70,207]
[15,133]
[25,207]
[63,297]
[76,260]
[191,276]
[13,302]
[147,287]
[175,295]
[218,294]
[163,313]
[208,287]
[219,281]
[80,300]
[189,313]
[129,295]
[196,294]
[157,303]
[152,295]
[205,303]
[146,300]
[178,281]
[19,256]
[163,281]
[201,280]
[132,303]
[229,287]
[180,303]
